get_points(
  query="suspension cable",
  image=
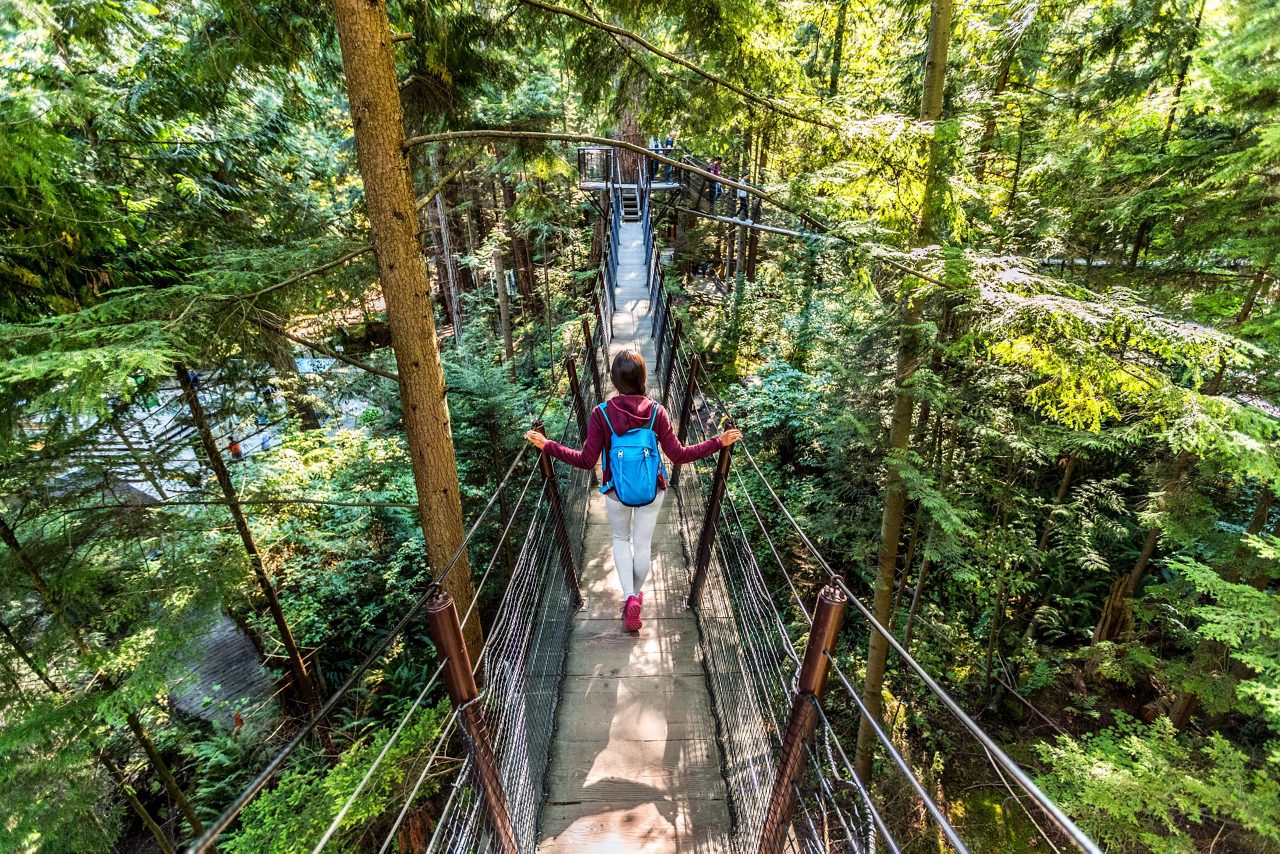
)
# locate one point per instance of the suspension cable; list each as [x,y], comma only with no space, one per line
[224,820]
[1063,822]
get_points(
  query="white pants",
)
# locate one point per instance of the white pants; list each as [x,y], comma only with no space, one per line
[633,540]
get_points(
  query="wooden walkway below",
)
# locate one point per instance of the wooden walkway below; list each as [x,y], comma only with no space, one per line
[635,766]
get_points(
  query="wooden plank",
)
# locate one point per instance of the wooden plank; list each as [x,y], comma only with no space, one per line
[596,771]
[650,827]
[658,717]
[602,648]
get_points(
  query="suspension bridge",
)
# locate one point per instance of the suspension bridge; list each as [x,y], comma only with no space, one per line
[713,729]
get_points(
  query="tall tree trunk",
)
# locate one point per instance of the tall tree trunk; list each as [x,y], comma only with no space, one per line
[753,246]
[1142,238]
[519,246]
[365,36]
[504,310]
[117,776]
[1117,612]
[989,124]
[297,667]
[1012,201]
[1251,299]
[26,658]
[162,768]
[10,538]
[448,232]
[139,460]
[895,490]
[739,267]
[837,49]
[450,265]
[730,253]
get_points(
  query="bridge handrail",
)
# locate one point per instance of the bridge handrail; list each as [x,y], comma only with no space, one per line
[669,342]
[1024,782]
[219,825]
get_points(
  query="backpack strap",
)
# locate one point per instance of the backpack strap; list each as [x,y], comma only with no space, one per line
[604,410]
[653,417]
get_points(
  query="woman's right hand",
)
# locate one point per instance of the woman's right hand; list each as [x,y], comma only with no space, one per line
[728,437]
[539,441]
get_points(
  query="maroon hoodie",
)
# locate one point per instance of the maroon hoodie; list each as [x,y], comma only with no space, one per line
[627,411]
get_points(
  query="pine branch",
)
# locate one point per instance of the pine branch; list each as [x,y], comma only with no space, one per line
[262,320]
[306,274]
[759,100]
[211,502]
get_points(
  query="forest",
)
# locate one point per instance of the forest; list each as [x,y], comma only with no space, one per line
[991,290]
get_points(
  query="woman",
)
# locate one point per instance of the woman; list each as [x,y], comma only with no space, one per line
[632,526]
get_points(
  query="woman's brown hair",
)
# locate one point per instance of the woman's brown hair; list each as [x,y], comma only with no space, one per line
[628,373]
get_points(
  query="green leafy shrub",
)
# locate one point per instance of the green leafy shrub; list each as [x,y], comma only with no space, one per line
[293,815]
[1140,787]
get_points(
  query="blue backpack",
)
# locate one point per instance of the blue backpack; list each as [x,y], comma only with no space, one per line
[634,462]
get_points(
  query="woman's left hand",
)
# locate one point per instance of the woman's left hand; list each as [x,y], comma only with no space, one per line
[538,440]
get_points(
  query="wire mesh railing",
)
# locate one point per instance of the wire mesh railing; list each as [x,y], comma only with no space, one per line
[751,662]
[525,650]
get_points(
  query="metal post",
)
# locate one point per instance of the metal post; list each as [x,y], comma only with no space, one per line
[671,359]
[593,358]
[575,389]
[446,633]
[663,319]
[708,535]
[686,409]
[602,316]
[810,682]
[558,519]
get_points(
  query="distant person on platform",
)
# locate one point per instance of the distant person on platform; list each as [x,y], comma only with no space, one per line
[714,169]
[743,199]
[656,148]
[668,146]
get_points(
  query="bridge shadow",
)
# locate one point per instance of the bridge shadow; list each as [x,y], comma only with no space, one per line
[636,764]
[636,769]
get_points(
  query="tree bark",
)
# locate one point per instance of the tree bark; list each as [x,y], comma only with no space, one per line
[21,650]
[162,768]
[1117,612]
[448,261]
[895,490]
[837,49]
[139,461]
[989,125]
[519,246]
[10,538]
[1143,236]
[504,310]
[1251,300]
[365,37]
[142,812]
[753,245]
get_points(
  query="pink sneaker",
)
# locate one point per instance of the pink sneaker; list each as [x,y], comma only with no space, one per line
[631,614]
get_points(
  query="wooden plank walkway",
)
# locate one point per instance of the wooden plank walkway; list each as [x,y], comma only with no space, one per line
[227,675]
[635,765]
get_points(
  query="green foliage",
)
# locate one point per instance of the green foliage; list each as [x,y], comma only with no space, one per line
[1134,787]
[292,816]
